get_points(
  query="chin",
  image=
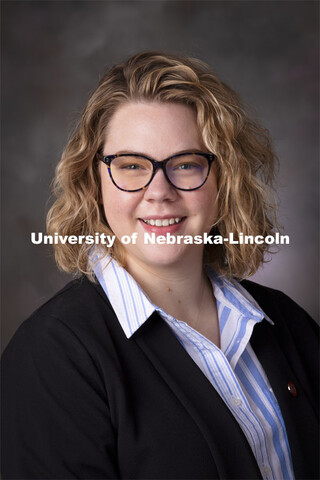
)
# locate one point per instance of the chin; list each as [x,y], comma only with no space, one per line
[164,255]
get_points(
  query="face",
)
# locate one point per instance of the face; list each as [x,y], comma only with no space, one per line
[157,130]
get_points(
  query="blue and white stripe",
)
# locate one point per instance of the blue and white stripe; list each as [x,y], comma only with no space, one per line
[233,369]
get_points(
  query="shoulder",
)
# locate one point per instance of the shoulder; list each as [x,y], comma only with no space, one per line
[77,318]
[262,292]
[74,305]
[77,296]
[270,296]
[282,310]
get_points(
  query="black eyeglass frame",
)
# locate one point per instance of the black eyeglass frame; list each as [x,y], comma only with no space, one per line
[156,165]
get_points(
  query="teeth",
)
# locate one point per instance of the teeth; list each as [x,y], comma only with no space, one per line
[163,223]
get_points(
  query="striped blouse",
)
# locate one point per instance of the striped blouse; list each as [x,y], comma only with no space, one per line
[233,369]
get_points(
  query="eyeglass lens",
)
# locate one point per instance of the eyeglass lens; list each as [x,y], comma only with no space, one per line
[184,171]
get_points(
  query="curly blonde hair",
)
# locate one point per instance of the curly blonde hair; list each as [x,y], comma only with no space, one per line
[245,161]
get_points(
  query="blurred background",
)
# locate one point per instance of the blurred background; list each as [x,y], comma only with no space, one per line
[53,54]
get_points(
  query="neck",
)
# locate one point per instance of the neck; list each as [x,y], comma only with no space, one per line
[177,290]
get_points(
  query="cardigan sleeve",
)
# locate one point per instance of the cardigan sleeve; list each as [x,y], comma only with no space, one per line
[55,415]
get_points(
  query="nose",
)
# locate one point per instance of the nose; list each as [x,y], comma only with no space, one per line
[160,189]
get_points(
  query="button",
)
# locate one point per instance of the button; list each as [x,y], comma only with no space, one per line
[265,470]
[236,402]
[292,389]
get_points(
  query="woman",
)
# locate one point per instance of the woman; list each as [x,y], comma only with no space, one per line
[155,362]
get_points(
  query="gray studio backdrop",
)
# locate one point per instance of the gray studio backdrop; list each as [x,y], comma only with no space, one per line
[53,53]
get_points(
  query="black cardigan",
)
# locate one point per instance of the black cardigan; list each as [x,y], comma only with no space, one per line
[80,400]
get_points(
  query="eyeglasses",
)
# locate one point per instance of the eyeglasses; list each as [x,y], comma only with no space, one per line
[186,171]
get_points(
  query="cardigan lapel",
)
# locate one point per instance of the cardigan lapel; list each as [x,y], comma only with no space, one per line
[228,444]
[280,362]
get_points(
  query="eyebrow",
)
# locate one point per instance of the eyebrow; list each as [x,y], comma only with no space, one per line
[180,152]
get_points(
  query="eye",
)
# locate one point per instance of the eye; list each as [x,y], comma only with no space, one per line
[131,166]
[187,166]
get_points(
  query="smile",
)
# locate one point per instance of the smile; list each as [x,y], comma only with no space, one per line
[157,222]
